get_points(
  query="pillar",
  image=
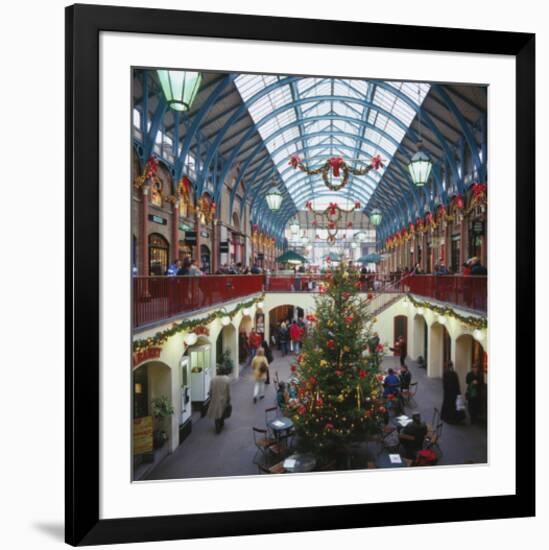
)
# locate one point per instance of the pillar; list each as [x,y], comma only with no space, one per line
[196,255]
[144,245]
[175,230]
[462,244]
[215,245]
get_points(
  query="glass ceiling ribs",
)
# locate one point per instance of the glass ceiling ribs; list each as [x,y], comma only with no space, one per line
[330,123]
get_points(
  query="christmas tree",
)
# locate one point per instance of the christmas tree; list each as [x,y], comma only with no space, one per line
[340,398]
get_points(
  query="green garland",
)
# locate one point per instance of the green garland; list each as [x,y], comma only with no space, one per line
[182,326]
[475,322]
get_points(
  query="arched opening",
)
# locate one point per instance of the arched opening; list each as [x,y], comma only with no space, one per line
[440,349]
[154,435]
[159,253]
[244,329]
[400,328]
[205,258]
[420,333]
[227,343]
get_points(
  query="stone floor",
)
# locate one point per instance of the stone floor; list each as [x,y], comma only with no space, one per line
[230,453]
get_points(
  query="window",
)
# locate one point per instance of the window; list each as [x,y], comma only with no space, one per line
[156,193]
[158,254]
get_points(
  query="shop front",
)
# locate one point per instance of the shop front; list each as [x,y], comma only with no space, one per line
[159,254]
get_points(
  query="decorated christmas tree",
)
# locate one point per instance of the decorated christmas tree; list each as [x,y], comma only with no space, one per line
[340,399]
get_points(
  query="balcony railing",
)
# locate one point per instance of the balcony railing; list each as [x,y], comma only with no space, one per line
[159,298]
[469,292]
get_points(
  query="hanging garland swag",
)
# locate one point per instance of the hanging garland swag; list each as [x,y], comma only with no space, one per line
[194,325]
[338,167]
[475,322]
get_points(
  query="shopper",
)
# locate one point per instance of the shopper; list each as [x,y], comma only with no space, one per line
[283,336]
[412,436]
[450,392]
[475,383]
[254,342]
[295,336]
[220,398]
[260,367]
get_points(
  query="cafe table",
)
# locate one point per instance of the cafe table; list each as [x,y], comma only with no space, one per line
[299,463]
[390,460]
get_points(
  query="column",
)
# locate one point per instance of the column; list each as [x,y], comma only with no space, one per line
[196,255]
[175,230]
[144,244]
[215,246]
[462,244]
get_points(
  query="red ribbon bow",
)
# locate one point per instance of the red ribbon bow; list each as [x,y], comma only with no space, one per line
[376,163]
[336,163]
[294,161]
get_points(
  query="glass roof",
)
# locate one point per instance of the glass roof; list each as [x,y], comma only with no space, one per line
[318,118]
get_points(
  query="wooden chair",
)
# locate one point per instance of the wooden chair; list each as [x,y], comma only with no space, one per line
[390,441]
[435,420]
[265,446]
[270,414]
[409,394]
[432,439]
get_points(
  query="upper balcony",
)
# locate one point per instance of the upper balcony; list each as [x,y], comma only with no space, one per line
[157,299]
[468,292]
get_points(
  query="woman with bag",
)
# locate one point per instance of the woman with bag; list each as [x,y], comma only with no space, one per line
[220,406]
[260,368]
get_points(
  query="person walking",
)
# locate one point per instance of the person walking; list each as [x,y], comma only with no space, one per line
[283,338]
[260,368]
[295,336]
[401,348]
[254,341]
[269,357]
[220,399]
[475,383]
[450,391]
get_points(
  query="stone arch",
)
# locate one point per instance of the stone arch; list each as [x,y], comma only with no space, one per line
[227,340]
[155,378]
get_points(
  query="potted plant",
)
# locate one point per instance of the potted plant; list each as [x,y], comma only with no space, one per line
[161,409]
[225,364]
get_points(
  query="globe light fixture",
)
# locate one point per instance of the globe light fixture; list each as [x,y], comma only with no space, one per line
[294,227]
[246,312]
[180,88]
[354,244]
[420,164]
[420,168]
[274,197]
[477,335]
[191,339]
[260,305]
[376,216]
[420,311]
[226,320]
[441,319]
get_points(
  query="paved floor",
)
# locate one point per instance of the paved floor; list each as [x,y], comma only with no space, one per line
[230,453]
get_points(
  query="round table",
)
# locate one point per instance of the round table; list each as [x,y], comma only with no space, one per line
[299,463]
[280,424]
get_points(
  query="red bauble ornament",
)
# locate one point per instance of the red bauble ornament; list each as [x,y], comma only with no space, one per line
[349,319]
[329,426]
[330,344]
[338,373]
[294,161]
[312,380]
[293,368]
[370,295]
[380,347]
[362,373]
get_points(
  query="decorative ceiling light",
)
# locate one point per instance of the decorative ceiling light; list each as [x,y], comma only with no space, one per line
[274,197]
[260,305]
[246,312]
[441,319]
[376,216]
[226,320]
[294,226]
[477,335]
[180,88]
[420,165]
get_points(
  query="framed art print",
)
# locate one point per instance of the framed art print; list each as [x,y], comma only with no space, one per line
[300,270]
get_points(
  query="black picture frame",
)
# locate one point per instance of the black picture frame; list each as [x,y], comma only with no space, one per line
[83,25]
